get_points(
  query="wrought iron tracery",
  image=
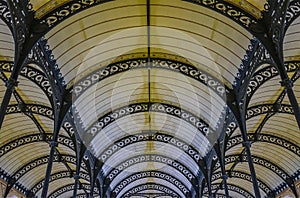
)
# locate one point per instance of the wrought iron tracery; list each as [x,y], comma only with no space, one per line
[150,186]
[240,190]
[59,175]
[146,174]
[233,141]
[153,158]
[70,187]
[110,117]
[151,136]
[243,176]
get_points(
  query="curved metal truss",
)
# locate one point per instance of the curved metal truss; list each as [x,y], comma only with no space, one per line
[243,192]
[151,136]
[70,187]
[183,68]
[236,140]
[59,175]
[259,161]
[147,174]
[153,158]
[28,139]
[150,186]
[168,109]
[243,176]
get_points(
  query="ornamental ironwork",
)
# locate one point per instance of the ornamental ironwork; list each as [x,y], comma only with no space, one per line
[31,139]
[5,14]
[244,176]
[256,160]
[70,187]
[63,12]
[265,138]
[56,176]
[229,10]
[41,161]
[188,70]
[268,108]
[32,108]
[292,12]
[157,174]
[153,158]
[150,186]
[151,136]
[232,187]
[110,117]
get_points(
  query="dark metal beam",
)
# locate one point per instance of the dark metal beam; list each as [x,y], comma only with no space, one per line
[168,109]
[56,176]
[150,174]
[240,190]
[186,172]
[262,162]
[70,187]
[243,176]
[25,36]
[150,186]
[271,32]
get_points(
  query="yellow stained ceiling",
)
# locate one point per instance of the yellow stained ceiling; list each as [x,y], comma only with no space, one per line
[45,6]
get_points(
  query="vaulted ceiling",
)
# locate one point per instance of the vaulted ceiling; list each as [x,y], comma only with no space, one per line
[150,98]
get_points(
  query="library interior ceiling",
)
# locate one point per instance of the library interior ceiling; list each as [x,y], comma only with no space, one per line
[150,98]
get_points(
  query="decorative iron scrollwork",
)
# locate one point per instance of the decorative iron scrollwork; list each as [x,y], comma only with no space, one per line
[156,174]
[153,158]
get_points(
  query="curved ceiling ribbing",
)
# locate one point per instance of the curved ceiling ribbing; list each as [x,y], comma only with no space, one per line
[184,33]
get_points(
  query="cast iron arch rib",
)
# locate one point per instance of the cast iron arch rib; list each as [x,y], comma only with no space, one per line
[151,136]
[236,140]
[32,74]
[292,13]
[150,186]
[185,171]
[156,174]
[188,70]
[32,138]
[262,162]
[243,176]
[56,176]
[243,192]
[70,187]
[172,110]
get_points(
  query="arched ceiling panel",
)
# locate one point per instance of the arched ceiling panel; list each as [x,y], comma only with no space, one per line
[245,184]
[23,155]
[37,174]
[292,41]
[16,125]
[6,43]
[91,40]
[201,41]
[283,125]
[128,126]
[31,93]
[265,175]
[55,185]
[268,92]
[276,154]
[132,86]
[87,47]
